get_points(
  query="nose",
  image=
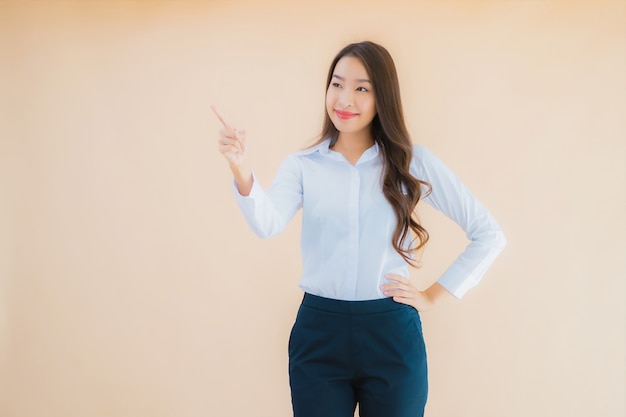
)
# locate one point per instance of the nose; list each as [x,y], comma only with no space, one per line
[346,98]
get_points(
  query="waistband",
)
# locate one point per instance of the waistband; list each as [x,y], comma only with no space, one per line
[352,307]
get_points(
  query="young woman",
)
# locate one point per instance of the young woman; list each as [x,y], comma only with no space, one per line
[357,337]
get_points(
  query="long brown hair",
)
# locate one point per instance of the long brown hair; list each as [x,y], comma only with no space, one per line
[402,190]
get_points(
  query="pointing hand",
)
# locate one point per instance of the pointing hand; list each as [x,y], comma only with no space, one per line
[232,142]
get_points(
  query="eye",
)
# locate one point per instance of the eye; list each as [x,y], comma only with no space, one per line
[362,89]
[336,85]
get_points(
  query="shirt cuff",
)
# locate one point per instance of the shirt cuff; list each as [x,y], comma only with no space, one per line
[254,191]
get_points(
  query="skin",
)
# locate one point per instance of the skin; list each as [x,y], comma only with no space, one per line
[351,91]
[404,291]
[232,144]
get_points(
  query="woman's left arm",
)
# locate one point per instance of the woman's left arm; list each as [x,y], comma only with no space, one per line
[450,196]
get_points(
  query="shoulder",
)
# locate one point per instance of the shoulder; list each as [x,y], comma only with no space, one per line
[294,161]
[422,153]
[308,153]
[313,150]
[418,151]
[427,166]
[422,158]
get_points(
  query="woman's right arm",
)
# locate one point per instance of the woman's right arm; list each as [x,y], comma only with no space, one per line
[267,213]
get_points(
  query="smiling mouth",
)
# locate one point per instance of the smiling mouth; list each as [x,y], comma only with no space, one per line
[345,114]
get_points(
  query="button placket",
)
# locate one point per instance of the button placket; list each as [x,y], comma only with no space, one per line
[353,218]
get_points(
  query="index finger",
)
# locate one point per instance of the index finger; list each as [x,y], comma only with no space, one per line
[219,116]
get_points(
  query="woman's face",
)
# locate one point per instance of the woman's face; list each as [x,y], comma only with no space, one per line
[350,99]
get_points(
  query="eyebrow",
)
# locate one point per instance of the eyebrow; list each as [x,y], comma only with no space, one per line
[361,80]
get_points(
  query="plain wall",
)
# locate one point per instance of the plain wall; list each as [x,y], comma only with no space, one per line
[130,284]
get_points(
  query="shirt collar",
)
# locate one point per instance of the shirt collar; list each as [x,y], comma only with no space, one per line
[324,149]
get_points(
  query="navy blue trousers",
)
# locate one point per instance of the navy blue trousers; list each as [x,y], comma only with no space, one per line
[346,352]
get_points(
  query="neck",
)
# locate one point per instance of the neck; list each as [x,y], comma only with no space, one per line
[353,142]
[352,145]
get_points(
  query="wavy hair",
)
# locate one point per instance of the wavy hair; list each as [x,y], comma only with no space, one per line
[401,189]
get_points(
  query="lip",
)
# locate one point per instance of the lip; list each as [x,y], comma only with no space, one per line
[344,115]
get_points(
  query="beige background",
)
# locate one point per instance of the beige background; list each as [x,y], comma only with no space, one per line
[130,284]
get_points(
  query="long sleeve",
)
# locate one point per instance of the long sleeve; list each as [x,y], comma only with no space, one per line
[455,200]
[268,213]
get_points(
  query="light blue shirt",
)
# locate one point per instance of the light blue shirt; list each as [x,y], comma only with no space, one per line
[347,223]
